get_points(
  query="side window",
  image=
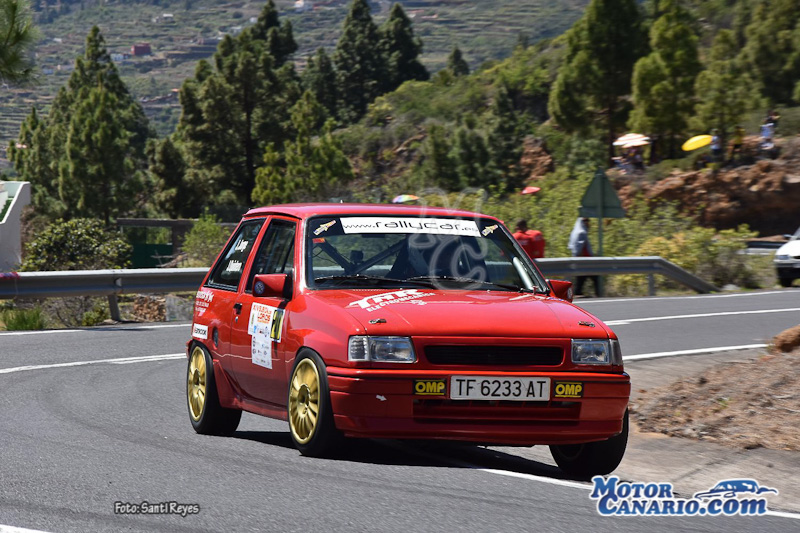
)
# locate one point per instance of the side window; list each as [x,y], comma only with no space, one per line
[228,270]
[276,253]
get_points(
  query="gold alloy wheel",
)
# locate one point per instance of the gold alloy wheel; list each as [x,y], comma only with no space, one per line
[196,383]
[304,401]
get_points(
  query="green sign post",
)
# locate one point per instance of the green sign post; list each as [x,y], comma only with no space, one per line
[601,201]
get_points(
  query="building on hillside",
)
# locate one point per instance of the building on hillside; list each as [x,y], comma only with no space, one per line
[141,49]
[301,6]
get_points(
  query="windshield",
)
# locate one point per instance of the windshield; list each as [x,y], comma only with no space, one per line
[408,251]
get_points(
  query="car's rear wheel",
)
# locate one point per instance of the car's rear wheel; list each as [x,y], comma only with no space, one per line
[207,416]
[310,415]
[592,458]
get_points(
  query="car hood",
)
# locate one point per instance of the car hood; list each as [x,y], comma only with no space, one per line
[791,248]
[424,312]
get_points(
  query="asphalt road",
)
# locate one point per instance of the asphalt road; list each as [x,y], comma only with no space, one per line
[77,437]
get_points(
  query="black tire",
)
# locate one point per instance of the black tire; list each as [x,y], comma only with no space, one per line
[593,458]
[786,282]
[207,416]
[314,434]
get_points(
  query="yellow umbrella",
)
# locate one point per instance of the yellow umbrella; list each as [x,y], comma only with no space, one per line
[698,141]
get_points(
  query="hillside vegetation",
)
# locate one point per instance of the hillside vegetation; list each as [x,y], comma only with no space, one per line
[191,28]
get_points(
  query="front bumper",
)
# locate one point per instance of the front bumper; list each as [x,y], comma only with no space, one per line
[382,404]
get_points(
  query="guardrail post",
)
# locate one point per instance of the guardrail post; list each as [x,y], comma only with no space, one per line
[651,284]
[113,307]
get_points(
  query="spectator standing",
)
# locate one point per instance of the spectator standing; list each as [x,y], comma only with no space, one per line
[767,131]
[580,246]
[531,240]
[716,146]
[738,141]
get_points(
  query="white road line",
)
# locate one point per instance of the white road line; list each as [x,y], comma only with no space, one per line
[658,298]
[698,315]
[94,330]
[12,529]
[118,361]
[656,355]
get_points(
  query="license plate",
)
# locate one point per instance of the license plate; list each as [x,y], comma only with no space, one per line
[499,388]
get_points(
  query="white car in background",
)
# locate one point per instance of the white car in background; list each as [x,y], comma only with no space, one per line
[787,260]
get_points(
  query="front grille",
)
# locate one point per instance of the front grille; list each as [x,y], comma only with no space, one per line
[494,355]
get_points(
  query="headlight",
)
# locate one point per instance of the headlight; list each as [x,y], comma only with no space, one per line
[596,352]
[381,349]
[782,257]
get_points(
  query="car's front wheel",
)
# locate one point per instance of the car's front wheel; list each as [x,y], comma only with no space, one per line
[592,458]
[786,282]
[310,415]
[207,416]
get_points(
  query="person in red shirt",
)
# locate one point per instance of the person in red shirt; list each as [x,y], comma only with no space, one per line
[531,240]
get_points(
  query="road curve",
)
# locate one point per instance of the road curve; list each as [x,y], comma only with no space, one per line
[75,439]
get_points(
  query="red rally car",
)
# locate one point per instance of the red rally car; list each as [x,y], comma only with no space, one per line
[401,322]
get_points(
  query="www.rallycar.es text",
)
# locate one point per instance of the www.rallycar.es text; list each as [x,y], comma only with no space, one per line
[183,509]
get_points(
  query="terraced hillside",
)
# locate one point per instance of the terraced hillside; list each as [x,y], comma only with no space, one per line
[180,32]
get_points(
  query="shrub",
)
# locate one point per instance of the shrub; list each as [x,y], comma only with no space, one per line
[77,244]
[204,241]
[23,319]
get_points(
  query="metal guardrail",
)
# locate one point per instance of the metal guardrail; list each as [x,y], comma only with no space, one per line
[111,283]
[606,266]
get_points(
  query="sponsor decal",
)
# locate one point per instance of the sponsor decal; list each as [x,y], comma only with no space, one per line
[730,497]
[242,246]
[567,389]
[440,226]
[324,227]
[489,229]
[234,266]
[265,327]
[199,331]
[429,387]
[202,301]
[375,302]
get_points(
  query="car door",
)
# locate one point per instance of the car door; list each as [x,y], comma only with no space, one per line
[216,299]
[257,336]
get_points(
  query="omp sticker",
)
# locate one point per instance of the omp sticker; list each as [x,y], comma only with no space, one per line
[375,302]
[234,266]
[489,229]
[441,226]
[242,246]
[429,387]
[324,227]
[567,389]
[199,331]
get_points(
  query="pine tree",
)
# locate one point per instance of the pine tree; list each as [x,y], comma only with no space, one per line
[401,50]
[437,167]
[279,38]
[595,79]
[470,155]
[17,38]
[320,78]
[663,81]
[98,179]
[504,142]
[173,194]
[456,63]
[359,62]
[724,90]
[773,48]
[310,166]
[52,160]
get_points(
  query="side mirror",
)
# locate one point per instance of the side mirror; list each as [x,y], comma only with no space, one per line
[273,286]
[561,289]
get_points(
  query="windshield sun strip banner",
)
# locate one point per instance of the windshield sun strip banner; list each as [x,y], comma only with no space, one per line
[440,226]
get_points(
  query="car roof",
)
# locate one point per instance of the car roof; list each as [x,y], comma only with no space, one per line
[304,211]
